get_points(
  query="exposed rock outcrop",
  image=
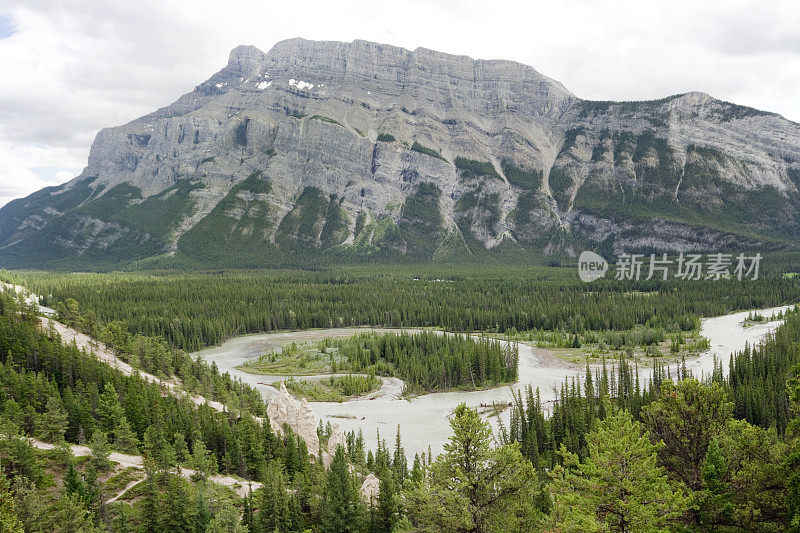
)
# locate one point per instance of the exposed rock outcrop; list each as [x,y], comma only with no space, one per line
[297,414]
[336,439]
[367,148]
[370,489]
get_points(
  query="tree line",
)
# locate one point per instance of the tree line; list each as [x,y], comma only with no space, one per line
[195,310]
[429,361]
[677,454]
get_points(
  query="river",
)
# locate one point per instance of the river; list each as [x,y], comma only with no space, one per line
[424,420]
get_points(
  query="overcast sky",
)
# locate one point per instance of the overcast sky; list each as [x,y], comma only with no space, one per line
[71,67]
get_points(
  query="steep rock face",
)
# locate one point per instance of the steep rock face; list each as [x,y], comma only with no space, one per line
[285,409]
[366,149]
[336,439]
[370,489]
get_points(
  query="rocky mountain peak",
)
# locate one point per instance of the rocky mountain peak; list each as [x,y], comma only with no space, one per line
[332,149]
[245,60]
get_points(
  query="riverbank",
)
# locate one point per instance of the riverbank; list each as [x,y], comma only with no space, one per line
[423,420]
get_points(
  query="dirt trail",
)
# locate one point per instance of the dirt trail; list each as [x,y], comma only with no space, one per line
[128,487]
[241,487]
[101,351]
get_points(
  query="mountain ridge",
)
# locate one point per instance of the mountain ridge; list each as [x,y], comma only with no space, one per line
[323,148]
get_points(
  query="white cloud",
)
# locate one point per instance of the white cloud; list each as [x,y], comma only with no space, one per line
[75,66]
[27,168]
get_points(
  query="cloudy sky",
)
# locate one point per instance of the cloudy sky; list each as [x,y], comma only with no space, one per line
[71,67]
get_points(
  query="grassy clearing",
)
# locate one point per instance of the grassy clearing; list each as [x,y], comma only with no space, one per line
[307,359]
[333,388]
[120,479]
[643,345]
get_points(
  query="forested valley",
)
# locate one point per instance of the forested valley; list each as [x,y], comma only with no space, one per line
[368,286]
[194,310]
[611,454]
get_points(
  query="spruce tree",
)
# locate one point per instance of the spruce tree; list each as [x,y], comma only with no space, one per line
[341,508]
[417,473]
[201,460]
[181,450]
[157,449]
[179,513]
[125,439]
[52,425]
[248,519]
[715,507]
[9,521]
[399,461]
[150,516]
[109,410]
[73,483]
[202,511]
[793,458]
[273,506]
[100,452]
[388,509]
[619,487]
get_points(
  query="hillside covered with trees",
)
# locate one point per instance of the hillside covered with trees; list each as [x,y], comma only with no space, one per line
[611,454]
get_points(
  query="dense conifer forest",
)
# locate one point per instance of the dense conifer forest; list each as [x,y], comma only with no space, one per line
[430,362]
[425,360]
[610,454]
[194,310]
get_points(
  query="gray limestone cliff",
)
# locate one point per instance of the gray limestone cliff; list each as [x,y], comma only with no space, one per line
[362,149]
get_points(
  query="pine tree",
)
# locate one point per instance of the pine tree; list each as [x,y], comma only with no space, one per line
[686,417]
[100,451]
[619,486]
[472,485]
[226,520]
[68,514]
[52,425]
[341,508]
[9,521]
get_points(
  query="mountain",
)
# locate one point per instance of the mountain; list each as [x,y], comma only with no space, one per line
[361,150]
